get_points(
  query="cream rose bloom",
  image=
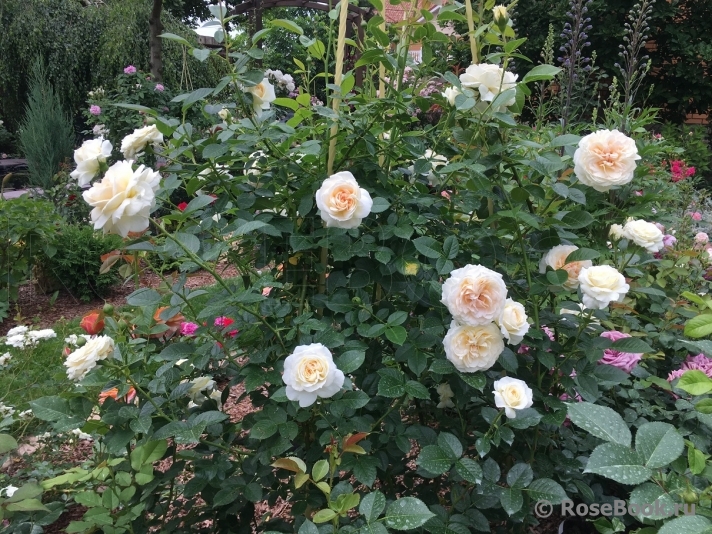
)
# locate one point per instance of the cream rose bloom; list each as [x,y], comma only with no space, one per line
[450,93]
[262,95]
[341,202]
[602,285]
[310,372]
[605,159]
[224,113]
[474,295]
[513,322]
[616,232]
[134,143]
[473,348]
[89,158]
[512,394]
[446,396]
[123,199]
[499,13]
[644,234]
[198,386]
[556,259]
[84,359]
[489,80]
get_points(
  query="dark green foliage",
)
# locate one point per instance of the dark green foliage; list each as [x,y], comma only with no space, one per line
[26,229]
[86,47]
[76,263]
[46,134]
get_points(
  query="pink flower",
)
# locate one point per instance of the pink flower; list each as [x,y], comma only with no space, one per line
[625,361]
[223,322]
[690,171]
[702,238]
[266,291]
[696,215]
[95,110]
[638,193]
[130,70]
[159,87]
[693,363]
[669,241]
[188,329]
[660,227]
[549,332]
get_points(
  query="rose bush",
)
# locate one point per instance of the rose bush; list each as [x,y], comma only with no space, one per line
[365,332]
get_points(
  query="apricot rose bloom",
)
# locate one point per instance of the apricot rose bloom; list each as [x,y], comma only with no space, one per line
[605,159]
[92,323]
[133,144]
[123,199]
[602,285]
[474,295]
[262,95]
[341,202]
[473,348]
[556,259]
[310,372]
[512,394]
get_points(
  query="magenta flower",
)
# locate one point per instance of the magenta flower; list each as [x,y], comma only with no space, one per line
[95,110]
[130,70]
[625,361]
[696,215]
[188,329]
[159,87]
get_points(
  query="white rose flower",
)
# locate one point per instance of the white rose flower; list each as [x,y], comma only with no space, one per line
[602,285]
[450,94]
[489,80]
[262,95]
[556,259]
[310,372]
[84,359]
[9,491]
[500,14]
[446,396]
[123,199]
[605,159]
[134,143]
[512,394]
[473,348]
[197,386]
[644,234]
[224,113]
[513,322]
[88,158]
[341,202]
[474,295]
[616,232]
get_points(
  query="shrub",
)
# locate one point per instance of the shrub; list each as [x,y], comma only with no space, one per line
[75,264]
[27,228]
[46,133]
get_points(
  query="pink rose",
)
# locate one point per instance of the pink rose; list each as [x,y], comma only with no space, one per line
[696,216]
[669,241]
[130,70]
[159,87]
[625,361]
[702,238]
[188,328]
[693,363]
[95,110]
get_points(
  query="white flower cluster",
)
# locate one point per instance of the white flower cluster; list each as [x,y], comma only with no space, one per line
[26,415]
[198,389]
[284,80]
[21,336]
[6,411]
[643,233]
[81,435]
[483,317]
[5,358]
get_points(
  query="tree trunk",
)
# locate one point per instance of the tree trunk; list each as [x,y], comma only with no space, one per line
[155,44]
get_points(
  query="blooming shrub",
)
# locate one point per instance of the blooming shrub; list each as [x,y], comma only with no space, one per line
[366,329]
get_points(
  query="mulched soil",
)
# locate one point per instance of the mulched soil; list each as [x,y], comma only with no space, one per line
[35,307]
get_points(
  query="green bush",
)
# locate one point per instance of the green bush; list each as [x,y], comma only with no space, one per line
[46,133]
[26,229]
[77,260]
[693,139]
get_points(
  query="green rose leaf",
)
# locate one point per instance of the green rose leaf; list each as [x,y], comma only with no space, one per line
[600,421]
[618,463]
[407,513]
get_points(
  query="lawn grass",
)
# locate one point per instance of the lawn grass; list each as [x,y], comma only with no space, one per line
[38,371]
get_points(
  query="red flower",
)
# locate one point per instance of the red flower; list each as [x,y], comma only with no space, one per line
[182,206]
[224,322]
[93,322]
